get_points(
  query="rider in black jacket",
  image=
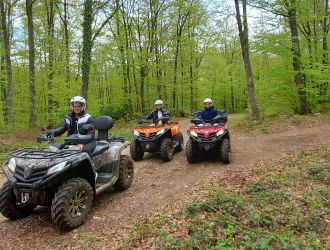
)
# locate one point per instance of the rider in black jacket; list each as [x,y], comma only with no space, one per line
[74,121]
[159,115]
[209,112]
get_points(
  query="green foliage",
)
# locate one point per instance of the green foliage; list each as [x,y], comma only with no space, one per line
[321,172]
[131,61]
[275,210]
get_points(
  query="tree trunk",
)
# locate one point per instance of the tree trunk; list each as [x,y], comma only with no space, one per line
[33,113]
[87,46]
[325,31]
[325,51]
[142,78]
[50,21]
[243,35]
[300,78]
[9,102]
[3,88]
[64,18]
[174,97]
[191,80]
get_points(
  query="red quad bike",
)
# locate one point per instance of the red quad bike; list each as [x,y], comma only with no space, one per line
[161,139]
[209,137]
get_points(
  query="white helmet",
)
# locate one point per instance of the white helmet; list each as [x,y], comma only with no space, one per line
[208,100]
[80,100]
[158,102]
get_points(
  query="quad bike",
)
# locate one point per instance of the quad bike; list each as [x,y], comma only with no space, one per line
[163,139]
[65,179]
[211,137]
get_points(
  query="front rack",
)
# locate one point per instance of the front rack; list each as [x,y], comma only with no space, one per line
[30,153]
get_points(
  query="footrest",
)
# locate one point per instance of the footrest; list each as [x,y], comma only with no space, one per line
[103,177]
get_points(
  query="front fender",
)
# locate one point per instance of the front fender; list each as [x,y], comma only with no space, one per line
[78,167]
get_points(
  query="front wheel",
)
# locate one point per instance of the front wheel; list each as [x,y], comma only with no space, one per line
[126,173]
[225,151]
[72,203]
[9,207]
[136,151]
[191,151]
[166,149]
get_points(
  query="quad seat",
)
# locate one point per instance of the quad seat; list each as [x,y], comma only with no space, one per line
[102,124]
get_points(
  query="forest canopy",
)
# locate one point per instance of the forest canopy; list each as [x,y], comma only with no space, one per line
[121,55]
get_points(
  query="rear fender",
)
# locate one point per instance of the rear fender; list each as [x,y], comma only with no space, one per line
[115,149]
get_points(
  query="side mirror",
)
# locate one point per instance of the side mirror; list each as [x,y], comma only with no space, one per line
[87,127]
[196,121]
[196,114]
[142,121]
[42,138]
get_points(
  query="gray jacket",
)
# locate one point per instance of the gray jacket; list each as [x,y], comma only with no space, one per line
[74,125]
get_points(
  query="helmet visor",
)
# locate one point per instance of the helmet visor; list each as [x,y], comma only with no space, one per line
[207,103]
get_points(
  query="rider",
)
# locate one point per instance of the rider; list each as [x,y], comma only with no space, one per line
[74,121]
[209,112]
[159,115]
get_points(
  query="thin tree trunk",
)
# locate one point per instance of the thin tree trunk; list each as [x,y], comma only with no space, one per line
[325,51]
[50,20]
[243,35]
[142,78]
[9,102]
[3,88]
[64,19]
[87,46]
[325,31]
[33,113]
[174,96]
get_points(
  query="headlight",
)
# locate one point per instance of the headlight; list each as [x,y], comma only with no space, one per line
[161,132]
[57,168]
[220,132]
[136,133]
[193,133]
[12,165]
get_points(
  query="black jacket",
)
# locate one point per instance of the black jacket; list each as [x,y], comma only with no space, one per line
[73,125]
[208,114]
[154,116]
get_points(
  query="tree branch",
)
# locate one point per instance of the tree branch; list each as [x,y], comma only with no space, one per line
[103,24]
[277,13]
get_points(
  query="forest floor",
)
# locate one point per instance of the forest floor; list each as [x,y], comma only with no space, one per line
[137,217]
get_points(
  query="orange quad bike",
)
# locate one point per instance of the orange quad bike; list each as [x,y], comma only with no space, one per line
[160,139]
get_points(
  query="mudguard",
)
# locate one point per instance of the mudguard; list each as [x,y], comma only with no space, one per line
[111,155]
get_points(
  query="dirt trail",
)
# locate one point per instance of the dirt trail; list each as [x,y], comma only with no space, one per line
[155,184]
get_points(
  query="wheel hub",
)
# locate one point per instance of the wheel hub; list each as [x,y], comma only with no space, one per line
[77,204]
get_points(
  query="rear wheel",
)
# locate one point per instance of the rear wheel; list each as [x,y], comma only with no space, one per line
[136,151]
[9,207]
[72,203]
[179,138]
[166,149]
[126,173]
[225,151]
[191,151]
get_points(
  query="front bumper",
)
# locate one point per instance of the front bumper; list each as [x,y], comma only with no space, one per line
[27,193]
[206,141]
[150,145]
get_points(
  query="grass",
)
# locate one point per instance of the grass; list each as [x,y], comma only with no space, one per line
[243,124]
[285,204]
